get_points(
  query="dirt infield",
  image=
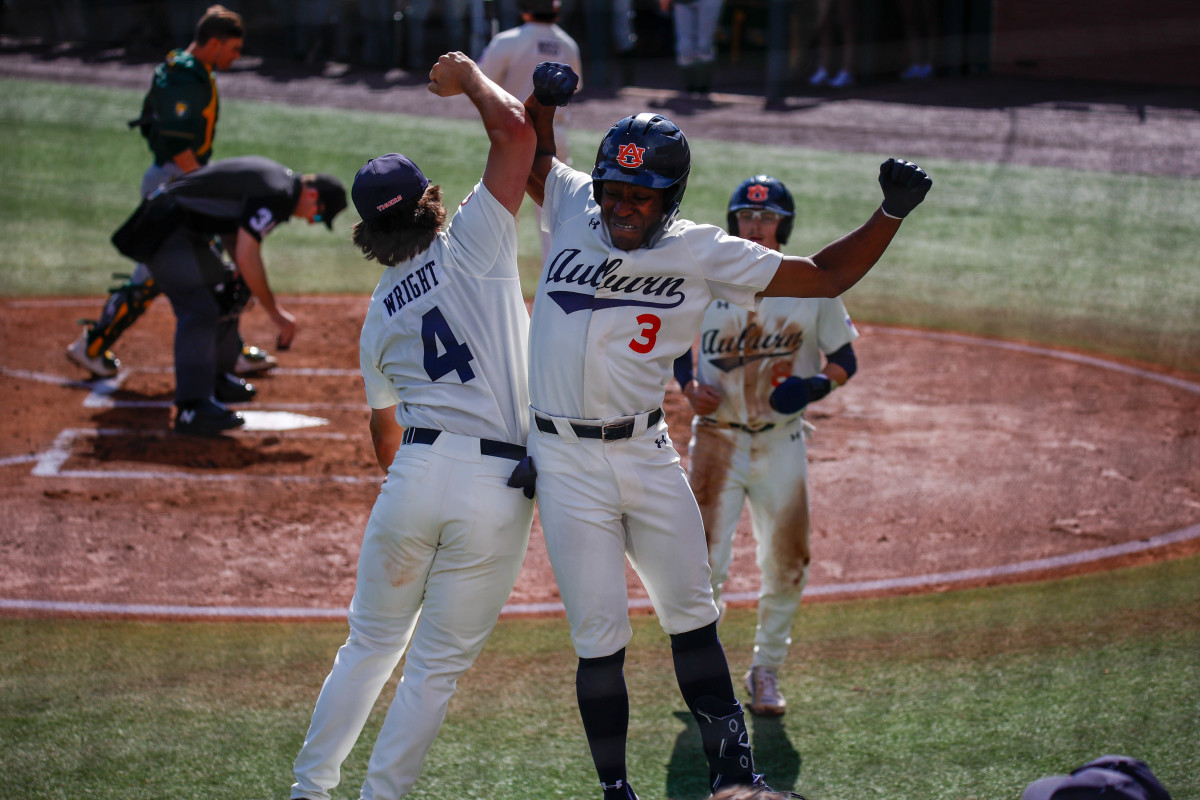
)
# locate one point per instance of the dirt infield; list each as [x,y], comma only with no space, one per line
[944,454]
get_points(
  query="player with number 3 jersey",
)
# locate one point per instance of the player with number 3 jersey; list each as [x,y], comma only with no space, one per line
[621,295]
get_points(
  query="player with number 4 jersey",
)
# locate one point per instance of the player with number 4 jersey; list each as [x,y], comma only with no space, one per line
[443,357]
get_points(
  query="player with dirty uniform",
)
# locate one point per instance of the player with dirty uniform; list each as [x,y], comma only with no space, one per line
[757,373]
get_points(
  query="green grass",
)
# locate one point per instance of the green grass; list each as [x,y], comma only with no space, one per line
[1098,261]
[963,695]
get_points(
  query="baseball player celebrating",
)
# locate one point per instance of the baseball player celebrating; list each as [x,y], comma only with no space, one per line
[443,353]
[621,296]
[758,370]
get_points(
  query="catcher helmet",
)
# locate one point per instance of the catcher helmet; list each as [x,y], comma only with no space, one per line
[648,150]
[763,192]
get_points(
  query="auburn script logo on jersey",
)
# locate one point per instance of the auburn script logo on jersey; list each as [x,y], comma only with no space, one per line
[624,290]
[752,343]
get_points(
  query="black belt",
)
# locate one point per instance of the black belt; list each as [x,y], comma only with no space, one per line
[738,426]
[487,447]
[608,432]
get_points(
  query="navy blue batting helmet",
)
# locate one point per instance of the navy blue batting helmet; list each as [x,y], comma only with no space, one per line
[648,150]
[763,192]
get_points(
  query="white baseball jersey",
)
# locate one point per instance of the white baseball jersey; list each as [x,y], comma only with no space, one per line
[608,323]
[607,326]
[747,354]
[510,58]
[444,338]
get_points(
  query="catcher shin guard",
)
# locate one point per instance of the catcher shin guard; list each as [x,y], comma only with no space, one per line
[124,305]
[726,742]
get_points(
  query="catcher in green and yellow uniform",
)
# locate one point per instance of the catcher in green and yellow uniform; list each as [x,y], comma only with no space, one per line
[179,122]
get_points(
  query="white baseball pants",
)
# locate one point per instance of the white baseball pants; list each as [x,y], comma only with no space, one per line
[600,502]
[726,468]
[440,555]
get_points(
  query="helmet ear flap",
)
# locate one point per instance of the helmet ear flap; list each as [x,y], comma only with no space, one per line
[784,230]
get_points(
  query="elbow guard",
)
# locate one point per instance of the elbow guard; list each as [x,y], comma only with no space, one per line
[844,357]
[683,369]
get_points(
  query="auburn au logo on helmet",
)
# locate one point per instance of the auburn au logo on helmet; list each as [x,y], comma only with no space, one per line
[757,193]
[630,155]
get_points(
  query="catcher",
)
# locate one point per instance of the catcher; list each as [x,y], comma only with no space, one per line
[179,122]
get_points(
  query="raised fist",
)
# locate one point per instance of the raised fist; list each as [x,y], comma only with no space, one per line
[554,83]
[904,186]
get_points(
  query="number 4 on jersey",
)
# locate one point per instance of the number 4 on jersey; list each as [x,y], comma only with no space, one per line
[455,357]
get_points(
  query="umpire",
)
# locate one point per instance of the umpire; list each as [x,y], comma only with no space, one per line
[241,200]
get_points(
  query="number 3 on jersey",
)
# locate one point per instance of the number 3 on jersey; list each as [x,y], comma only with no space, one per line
[644,342]
[455,357]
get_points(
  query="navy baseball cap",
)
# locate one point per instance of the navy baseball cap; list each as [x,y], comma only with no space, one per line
[1106,778]
[385,182]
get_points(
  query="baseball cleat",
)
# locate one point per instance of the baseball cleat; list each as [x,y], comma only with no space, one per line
[104,365]
[253,360]
[621,790]
[232,389]
[765,698]
[207,418]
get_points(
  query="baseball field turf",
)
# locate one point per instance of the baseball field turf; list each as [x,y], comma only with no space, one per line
[957,696]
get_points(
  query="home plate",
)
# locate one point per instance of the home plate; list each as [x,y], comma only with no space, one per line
[279,421]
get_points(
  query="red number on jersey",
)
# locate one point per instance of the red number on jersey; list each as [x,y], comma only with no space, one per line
[780,372]
[650,325]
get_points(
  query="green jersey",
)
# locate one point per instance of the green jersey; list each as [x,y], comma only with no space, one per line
[180,111]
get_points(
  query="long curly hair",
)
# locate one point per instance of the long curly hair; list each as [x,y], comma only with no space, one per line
[403,231]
